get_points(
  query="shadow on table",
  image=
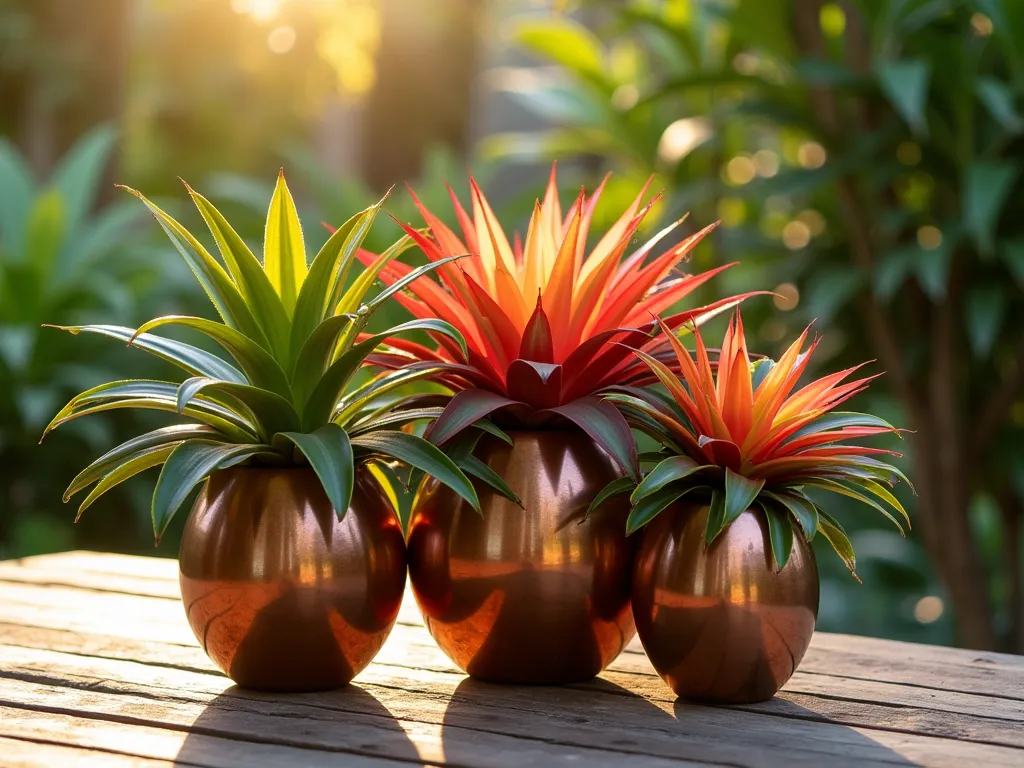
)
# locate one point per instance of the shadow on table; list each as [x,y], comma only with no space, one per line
[557,724]
[242,727]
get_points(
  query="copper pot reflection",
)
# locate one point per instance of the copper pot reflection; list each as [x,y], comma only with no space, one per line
[719,624]
[528,595]
[280,594]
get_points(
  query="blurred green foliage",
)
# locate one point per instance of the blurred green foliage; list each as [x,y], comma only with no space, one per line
[864,158]
[63,263]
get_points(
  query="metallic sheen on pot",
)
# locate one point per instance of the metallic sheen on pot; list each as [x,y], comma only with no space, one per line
[528,595]
[280,594]
[719,623]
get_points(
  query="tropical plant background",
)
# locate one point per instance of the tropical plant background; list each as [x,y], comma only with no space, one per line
[865,159]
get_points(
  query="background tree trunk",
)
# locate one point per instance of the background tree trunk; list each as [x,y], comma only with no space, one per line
[427,65]
[75,78]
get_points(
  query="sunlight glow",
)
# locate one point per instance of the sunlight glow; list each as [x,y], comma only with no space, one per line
[928,609]
[682,137]
[281,39]
[262,11]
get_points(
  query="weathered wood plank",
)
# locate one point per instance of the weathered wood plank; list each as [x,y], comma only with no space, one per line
[602,715]
[22,753]
[811,697]
[412,646]
[921,666]
[355,725]
[121,573]
[91,741]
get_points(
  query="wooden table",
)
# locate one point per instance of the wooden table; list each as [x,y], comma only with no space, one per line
[99,668]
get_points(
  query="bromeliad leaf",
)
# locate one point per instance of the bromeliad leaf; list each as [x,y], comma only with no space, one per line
[667,471]
[319,407]
[247,272]
[272,413]
[187,465]
[651,505]
[837,537]
[284,254]
[801,508]
[616,487]
[211,276]
[315,355]
[416,274]
[260,367]
[740,493]
[171,435]
[193,360]
[780,532]
[418,453]
[716,516]
[471,465]
[464,410]
[329,269]
[489,427]
[607,427]
[130,467]
[155,395]
[835,420]
[330,454]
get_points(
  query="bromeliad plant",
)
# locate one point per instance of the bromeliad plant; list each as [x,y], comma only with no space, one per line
[541,316]
[741,437]
[296,337]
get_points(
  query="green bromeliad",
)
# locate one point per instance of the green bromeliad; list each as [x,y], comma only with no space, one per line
[295,336]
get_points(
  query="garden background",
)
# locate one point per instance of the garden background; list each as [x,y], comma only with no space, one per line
[863,156]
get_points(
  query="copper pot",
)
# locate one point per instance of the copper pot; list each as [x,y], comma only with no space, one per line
[530,595]
[719,624]
[281,595]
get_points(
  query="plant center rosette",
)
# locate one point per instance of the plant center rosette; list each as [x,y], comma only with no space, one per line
[743,437]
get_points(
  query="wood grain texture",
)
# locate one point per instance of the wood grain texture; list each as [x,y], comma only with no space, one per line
[98,667]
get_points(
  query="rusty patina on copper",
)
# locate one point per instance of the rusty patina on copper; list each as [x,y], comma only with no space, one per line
[281,595]
[526,595]
[720,624]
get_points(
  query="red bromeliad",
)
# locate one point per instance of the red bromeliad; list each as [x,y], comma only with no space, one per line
[744,437]
[545,322]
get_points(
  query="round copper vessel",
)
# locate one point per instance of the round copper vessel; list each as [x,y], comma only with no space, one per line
[720,624]
[281,595]
[530,595]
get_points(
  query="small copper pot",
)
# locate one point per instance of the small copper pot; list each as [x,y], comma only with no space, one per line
[720,624]
[530,595]
[280,594]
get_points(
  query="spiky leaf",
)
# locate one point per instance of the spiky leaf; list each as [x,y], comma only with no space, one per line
[188,465]
[418,453]
[330,455]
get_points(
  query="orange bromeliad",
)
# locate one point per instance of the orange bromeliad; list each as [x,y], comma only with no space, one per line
[744,437]
[544,321]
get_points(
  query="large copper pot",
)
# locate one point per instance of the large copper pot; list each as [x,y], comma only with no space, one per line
[281,595]
[531,595]
[720,624]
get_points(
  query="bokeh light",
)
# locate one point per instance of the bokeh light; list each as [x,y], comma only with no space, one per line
[786,297]
[740,170]
[928,609]
[811,155]
[796,235]
[929,237]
